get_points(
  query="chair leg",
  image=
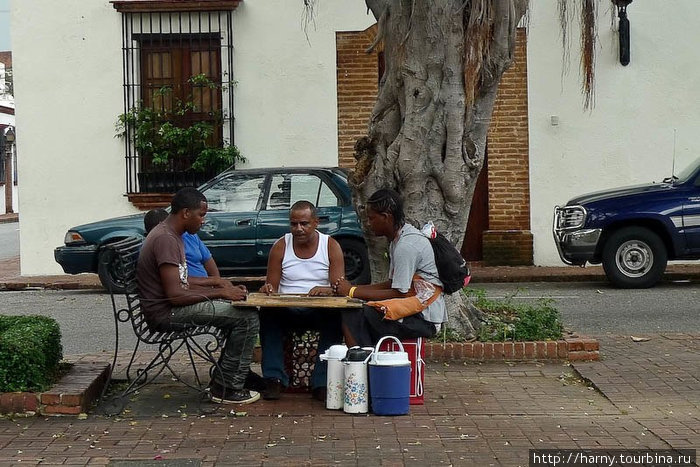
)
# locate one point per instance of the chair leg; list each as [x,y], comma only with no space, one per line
[131,361]
[207,353]
[192,362]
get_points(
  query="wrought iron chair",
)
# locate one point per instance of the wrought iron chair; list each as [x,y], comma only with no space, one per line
[121,259]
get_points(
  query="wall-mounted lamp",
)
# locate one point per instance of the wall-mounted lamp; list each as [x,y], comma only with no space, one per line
[623,30]
[10,135]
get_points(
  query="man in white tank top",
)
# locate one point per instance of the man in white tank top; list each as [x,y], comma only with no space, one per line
[304,261]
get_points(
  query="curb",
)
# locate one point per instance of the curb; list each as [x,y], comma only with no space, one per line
[91,281]
[72,395]
[570,349]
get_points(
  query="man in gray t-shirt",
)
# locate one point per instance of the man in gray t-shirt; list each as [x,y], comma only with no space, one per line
[412,273]
[411,253]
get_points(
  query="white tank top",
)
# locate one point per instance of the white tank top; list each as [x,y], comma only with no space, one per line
[301,275]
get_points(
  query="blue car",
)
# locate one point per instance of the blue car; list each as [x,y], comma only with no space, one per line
[248,212]
[633,231]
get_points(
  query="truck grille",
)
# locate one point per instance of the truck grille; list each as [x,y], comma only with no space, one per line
[569,217]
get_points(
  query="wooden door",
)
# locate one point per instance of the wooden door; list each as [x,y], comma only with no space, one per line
[472,247]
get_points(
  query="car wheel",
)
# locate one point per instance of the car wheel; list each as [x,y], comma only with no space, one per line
[356,260]
[634,258]
[108,280]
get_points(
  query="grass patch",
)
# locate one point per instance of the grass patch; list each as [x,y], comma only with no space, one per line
[507,320]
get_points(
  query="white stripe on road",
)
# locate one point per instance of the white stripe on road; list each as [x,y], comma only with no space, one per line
[511,297]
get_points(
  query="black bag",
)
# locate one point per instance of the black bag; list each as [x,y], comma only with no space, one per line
[452,268]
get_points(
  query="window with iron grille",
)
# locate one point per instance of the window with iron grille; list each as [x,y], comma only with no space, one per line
[178,68]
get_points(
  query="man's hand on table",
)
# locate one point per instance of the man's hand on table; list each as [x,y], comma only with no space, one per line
[342,287]
[319,291]
[268,288]
[236,293]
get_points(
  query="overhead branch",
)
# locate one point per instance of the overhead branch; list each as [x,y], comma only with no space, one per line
[377,7]
[381,28]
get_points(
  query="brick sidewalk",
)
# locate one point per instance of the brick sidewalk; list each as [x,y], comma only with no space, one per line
[641,395]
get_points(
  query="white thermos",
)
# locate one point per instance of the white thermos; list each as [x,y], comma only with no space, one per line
[356,380]
[335,379]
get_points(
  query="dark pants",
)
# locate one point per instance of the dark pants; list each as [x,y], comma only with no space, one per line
[241,327]
[275,324]
[367,326]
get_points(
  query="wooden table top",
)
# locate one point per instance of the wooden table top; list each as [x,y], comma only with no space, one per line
[297,300]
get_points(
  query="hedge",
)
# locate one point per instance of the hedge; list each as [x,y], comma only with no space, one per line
[30,350]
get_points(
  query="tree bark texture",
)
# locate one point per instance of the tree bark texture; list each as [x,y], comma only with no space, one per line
[427,132]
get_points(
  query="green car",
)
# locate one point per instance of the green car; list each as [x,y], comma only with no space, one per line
[248,212]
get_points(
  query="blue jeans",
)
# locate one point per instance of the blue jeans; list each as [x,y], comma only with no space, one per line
[274,326]
[241,328]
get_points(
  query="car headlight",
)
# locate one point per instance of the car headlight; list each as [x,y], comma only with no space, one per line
[570,217]
[73,237]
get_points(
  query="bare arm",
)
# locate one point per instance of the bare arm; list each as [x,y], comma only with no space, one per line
[274,268]
[211,268]
[380,291]
[336,269]
[180,296]
[208,281]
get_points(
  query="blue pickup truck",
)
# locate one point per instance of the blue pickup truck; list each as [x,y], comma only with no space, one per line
[633,231]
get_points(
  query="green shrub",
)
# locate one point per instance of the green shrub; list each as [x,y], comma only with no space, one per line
[505,320]
[30,350]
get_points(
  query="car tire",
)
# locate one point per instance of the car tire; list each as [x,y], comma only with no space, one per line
[634,258]
[108,281]
[356,260]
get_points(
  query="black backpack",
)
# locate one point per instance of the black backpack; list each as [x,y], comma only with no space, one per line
[452,268]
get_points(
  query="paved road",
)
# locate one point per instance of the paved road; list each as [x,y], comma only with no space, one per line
[597,308]
[9,240]
[590,308]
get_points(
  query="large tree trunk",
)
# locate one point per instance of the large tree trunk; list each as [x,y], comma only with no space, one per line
[427,132]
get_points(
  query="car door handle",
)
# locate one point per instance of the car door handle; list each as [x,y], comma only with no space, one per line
[324,218]
[244,222]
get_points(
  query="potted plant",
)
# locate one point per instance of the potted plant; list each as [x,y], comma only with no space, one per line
[172,154]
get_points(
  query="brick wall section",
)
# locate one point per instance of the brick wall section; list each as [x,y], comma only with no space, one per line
[357,77]
[508,240]
[509,192]
[572,349]
[507,248]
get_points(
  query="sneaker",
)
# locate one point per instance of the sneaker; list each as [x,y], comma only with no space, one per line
[319,393]
[254,381]
[232,396]
[273,389]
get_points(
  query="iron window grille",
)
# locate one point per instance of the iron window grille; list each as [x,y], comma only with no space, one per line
[166,50]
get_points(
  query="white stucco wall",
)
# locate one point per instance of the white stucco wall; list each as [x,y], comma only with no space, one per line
[67,64]
[285,100]
[67,75]
[628,137]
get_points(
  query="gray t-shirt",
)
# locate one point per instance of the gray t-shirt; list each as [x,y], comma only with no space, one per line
[411,253]
[162,246]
